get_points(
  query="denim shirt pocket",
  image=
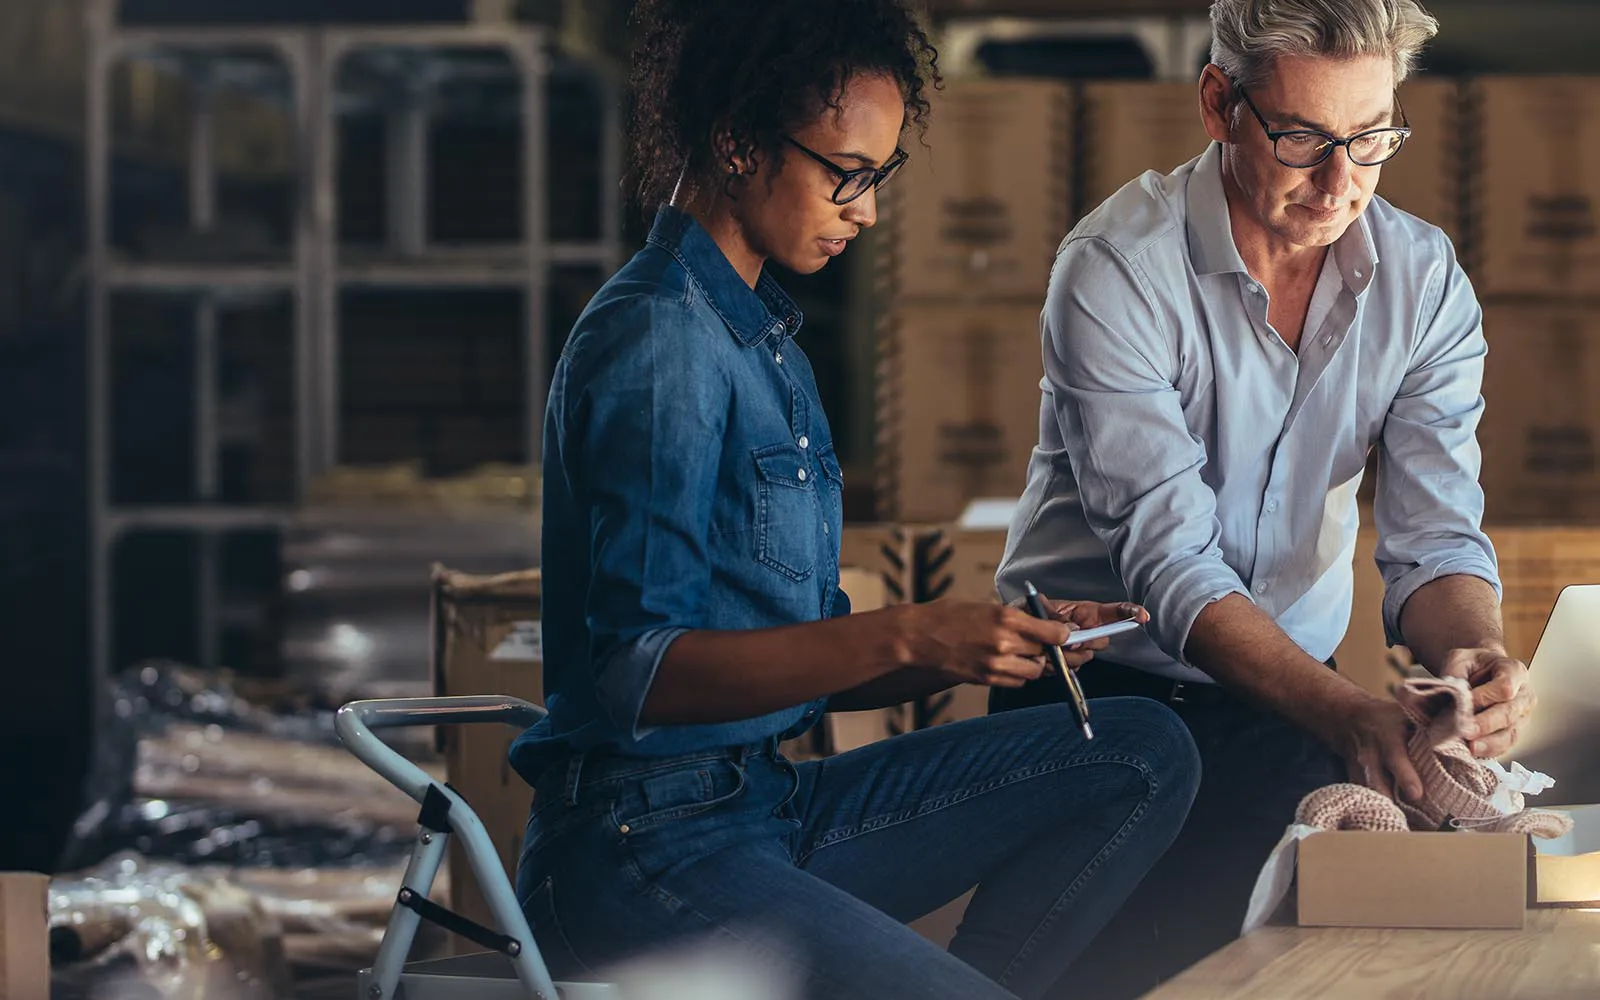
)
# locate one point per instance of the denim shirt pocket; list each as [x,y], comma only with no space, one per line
[786,511]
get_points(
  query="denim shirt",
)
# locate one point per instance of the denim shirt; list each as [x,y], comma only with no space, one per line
[690,482]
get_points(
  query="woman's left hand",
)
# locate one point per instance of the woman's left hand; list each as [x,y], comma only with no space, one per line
[1088,614]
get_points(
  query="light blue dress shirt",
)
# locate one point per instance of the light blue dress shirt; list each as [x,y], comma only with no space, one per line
[1187,453]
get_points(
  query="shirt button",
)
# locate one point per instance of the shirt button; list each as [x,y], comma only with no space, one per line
[778,357]
[805,442]
[1272,506]
[827,530]
[802,475]
[1255,290]
[1261,588]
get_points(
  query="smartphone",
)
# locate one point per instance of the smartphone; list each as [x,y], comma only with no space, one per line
[1091,634]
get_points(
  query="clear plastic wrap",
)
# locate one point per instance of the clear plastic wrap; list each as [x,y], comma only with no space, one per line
[194,772]
[130,928]
[232,849]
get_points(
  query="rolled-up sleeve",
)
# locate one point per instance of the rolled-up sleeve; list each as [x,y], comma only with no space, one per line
[1429,504]
[1109,362]
[642,449]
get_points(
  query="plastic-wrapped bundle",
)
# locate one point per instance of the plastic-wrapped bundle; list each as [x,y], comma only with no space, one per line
[192,771]
[132,929]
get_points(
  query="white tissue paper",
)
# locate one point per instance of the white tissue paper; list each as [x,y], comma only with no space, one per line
[1520,780]
[1272,885]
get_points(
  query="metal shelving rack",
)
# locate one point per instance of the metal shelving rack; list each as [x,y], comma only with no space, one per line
[317,268]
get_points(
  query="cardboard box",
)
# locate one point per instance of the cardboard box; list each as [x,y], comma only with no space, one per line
[1358,878]
[1364,654]
[978,210]
[1427,177]
[24,936]
[959,563]
[1567,869]
[884,550]
[840,731]
[1538,197]
[1134,126]
[1541,430]
[487,640]
[958,406]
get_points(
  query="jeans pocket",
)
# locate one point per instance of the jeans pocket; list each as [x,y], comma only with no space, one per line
[655,799]
[548,932]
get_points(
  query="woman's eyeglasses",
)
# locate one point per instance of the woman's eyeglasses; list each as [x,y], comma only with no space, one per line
[854,183]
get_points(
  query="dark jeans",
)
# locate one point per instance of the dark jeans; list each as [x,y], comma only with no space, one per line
[1256,767]
[816,867]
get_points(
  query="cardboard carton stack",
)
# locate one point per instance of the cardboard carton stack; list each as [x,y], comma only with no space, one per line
[1427,177]
[972,225]
[1537,201]
[1133,126]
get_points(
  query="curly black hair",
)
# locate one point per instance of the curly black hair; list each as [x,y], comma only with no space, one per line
[755,69]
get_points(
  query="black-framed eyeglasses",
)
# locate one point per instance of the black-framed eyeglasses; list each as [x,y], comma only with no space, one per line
[1307,147]
[855,183]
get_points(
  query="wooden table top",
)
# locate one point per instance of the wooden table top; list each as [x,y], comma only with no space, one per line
[1555,957]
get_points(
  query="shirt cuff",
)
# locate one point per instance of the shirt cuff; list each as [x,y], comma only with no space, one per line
[1399,591]
[1178,596]
[626,675]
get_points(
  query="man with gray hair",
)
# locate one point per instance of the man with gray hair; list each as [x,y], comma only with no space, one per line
[1223,347]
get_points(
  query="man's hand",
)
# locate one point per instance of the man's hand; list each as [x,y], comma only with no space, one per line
[1372,739]
[1501,696]
[1087,614]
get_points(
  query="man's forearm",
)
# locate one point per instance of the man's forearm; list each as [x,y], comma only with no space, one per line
[1452,612]
[1243,649]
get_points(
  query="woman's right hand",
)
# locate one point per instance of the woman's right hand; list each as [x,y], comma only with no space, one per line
[976,642]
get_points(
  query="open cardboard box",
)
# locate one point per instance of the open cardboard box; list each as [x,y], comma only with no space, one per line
[1446,880]
[1360,878]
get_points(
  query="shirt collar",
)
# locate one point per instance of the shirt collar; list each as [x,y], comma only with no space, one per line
[752,315]
[1211,245]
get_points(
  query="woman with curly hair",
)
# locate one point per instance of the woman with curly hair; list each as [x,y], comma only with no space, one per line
[692,614]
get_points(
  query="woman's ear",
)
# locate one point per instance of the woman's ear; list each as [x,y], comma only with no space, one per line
[733,158]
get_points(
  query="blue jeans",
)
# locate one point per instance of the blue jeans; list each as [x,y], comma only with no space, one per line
[1257,768]
[816,867]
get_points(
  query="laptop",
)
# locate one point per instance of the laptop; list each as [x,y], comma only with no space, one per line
[1562,738]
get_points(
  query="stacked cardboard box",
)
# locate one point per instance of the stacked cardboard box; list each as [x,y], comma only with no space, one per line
[1537,203]
[488,639]
[1427,178]
[973,222]
[1535,564]
[1134,126]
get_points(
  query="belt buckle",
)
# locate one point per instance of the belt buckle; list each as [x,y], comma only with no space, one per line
[1176,696]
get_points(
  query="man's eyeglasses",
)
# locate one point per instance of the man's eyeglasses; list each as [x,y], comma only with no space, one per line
[854,183]
[1305,147]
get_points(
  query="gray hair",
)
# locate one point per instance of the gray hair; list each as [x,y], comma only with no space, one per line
[1249,36]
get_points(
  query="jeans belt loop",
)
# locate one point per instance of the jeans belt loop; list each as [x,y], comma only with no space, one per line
[574,774]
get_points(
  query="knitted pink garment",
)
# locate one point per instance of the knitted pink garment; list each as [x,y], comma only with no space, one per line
[1457,787]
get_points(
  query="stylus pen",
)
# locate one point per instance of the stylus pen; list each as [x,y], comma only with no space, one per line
[1080,705]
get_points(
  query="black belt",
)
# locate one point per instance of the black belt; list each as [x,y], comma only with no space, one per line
[1102,679]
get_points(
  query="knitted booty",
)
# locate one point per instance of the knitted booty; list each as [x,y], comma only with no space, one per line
[1350,807]
[1457,787]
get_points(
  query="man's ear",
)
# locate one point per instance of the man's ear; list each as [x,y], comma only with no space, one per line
[1217,98]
